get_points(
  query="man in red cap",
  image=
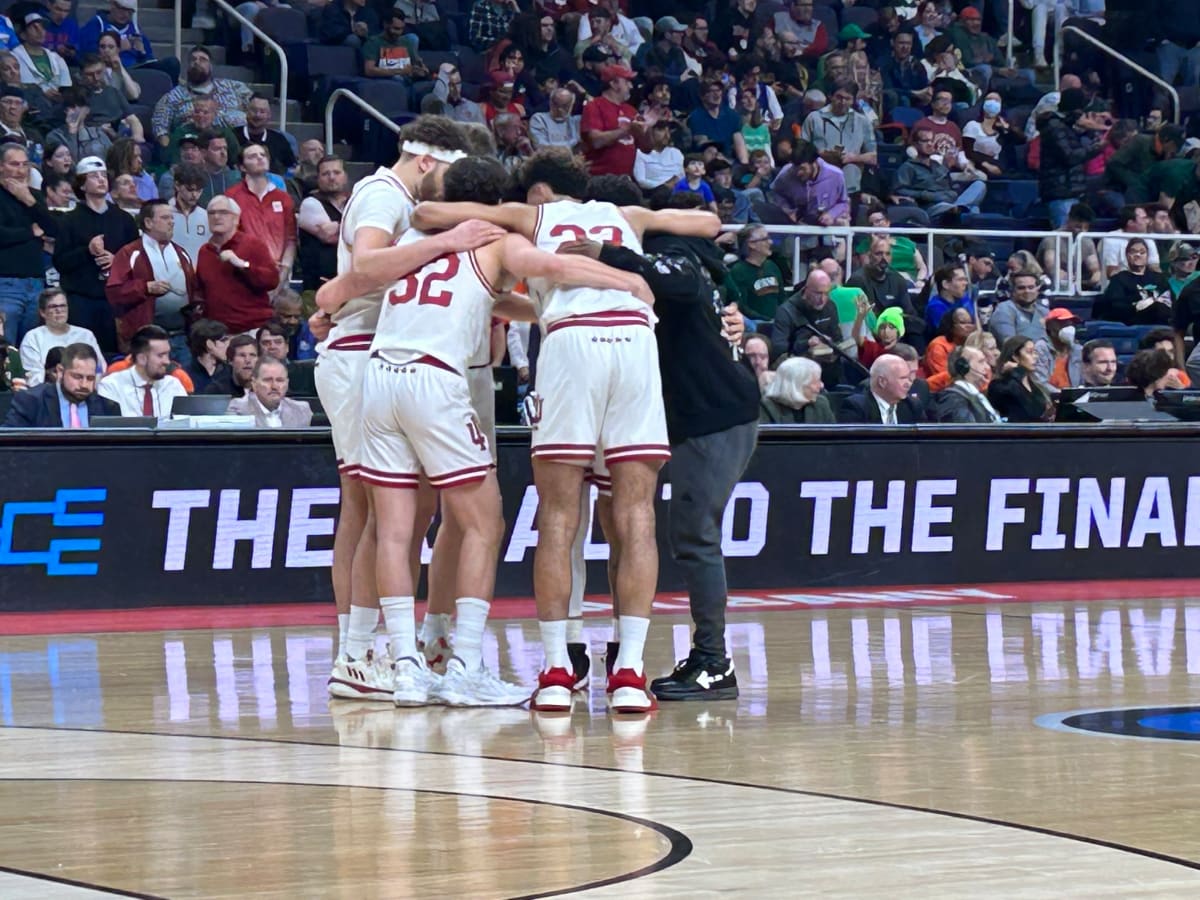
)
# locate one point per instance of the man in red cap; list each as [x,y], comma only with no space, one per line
[501,97]
[980,53]
[612,130]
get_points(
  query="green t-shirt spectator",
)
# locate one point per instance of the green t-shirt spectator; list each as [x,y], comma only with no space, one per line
[757,290]
[397,57]
[757,138]
[904,254]
[1176,178]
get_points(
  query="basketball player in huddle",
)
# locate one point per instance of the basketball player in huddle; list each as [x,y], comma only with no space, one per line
[376,215]
[418,418]
[600,392]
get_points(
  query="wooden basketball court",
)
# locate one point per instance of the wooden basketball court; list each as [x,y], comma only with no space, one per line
[909,749]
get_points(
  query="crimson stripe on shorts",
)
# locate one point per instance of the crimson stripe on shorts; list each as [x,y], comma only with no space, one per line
[467,476]
[352,342]
[601,320]
[457,473]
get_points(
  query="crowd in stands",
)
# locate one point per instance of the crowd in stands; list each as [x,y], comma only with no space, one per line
[193,223]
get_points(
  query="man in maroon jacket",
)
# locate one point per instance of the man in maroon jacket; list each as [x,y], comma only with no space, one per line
[152,282]
[235,273]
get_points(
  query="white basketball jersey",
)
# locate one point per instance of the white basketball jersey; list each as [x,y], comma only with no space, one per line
[564,221]
[440,311]
[380,201]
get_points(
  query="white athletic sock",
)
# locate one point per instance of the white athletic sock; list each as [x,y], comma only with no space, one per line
[360,630]
[401,625]
[468,630]
[554,641]
[575,631]
[616,626]
[343,626]
[633,643]
[434,626]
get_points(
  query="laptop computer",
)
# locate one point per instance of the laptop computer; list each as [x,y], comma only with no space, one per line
[123,422]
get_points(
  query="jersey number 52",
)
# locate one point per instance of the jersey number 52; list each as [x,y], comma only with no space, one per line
[423,284]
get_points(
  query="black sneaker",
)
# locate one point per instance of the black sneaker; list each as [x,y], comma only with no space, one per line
[697,679]
[581,664]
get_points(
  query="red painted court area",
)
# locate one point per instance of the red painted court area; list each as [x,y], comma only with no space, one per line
[168,618]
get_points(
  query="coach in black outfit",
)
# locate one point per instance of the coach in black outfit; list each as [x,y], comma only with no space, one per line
[712,424]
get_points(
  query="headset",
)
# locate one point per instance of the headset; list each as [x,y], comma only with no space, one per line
[961,367]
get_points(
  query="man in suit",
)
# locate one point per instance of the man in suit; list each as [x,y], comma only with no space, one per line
[267,401]
[70,401]
[886,401]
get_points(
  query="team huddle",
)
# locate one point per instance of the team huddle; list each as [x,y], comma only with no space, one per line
[430,263]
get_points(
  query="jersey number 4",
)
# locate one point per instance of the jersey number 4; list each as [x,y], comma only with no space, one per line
[423,285]
[606,234]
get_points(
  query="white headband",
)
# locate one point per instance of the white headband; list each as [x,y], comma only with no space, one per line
[416,148]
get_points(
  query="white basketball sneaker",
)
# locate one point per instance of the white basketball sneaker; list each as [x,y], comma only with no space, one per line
[437,653]
[478,687]
[369,678]
[412,681]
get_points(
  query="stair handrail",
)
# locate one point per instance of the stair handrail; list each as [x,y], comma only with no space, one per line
[361,104]
[260,34]
[1100,45]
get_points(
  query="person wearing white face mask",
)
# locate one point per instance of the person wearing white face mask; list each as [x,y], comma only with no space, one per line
[1059,357]
[985,138]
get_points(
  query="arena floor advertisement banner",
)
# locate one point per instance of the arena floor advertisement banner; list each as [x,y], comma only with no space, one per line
[127,520]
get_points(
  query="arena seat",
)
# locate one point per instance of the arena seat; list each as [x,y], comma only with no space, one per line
[154,84]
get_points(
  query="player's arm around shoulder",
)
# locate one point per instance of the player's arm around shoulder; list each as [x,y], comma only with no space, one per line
[522,260]
[438,216]
[686,222]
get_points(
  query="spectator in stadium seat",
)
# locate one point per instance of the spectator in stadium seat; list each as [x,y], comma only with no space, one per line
[1164,339]
[1133,219]
[458,107]
[26,221]
[55,332]
[123,191]
[1137,295]
[272,341]
[1179,54]
[79,138]
[302,345]
[906,258]
[964,400]
[888,329]
[736,25]
[266,211]
[257,130]
[392,53]
[1014,391]
[266,400]
[1062,180]
[1152,370]
[1098,363]
[319,223]
[926,182]
[88,236]
[806,324]
[488,22]
[144,389]
[207,341]
[795,396]
[665,55]
[616,31]
[512,146]
[201,119]
[693,180]
[235,272]
[947,136]
[1021,261]
[886,399]
[105,104]
[13,127]
[191,220]
[40,67]
[1025,314]
[560,126]
[714,121]
[843,135]
[798,21]
[500,97]
[62,30]
[1060,358]
[70,401]
[811,191]
[1182,258]
[176,105]
[124,157]
[883,285]
[219,177]
[756,352]
[152,281]
[241,354]
[1079,219]
[612,131]
[755,282]
[953,292]
[957,325]
[347,23]
[905,81]
[699,46]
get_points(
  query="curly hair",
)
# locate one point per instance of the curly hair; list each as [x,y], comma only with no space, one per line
[435,131]
[564,173]
[619,189]
[477,178]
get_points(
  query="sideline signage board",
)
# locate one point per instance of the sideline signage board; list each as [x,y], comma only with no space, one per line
[148,521]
